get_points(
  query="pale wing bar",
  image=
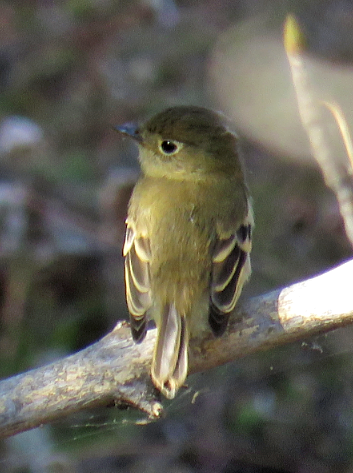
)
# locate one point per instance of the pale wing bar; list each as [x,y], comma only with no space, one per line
[230,270]
[137,281]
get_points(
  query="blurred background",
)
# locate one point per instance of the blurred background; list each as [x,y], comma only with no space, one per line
[71,69]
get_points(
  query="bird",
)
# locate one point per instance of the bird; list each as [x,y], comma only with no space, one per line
[188,234]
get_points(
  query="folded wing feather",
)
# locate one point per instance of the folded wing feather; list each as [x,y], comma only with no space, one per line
[230,270]
[137,281]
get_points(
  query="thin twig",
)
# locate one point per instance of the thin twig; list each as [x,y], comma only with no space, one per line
[337,175]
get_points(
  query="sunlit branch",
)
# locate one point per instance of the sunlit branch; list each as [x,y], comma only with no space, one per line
[114,371]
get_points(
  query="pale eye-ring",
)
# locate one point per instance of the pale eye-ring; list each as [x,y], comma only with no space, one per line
[169,147]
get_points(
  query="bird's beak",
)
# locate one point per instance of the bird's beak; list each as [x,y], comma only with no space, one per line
[130,130]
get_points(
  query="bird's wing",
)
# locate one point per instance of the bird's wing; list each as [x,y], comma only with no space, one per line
[137,254]
[230,270]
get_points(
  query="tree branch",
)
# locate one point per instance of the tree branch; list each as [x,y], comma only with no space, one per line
[115,369]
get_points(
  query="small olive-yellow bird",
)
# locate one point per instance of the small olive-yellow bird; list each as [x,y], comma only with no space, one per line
[188,236]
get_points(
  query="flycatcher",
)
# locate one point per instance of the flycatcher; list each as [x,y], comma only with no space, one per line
[188,236]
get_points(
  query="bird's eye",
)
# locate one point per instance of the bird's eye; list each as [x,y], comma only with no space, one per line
[169,147]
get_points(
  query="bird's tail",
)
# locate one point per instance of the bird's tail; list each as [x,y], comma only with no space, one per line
[170,359]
